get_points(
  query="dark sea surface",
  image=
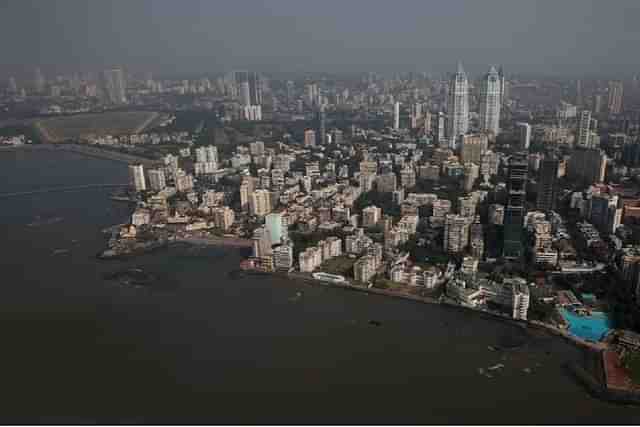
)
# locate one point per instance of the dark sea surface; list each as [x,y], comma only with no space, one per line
[202,344]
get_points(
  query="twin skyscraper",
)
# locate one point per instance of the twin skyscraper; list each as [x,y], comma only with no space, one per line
[491,97]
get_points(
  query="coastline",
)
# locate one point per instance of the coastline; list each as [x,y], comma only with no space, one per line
[591,373]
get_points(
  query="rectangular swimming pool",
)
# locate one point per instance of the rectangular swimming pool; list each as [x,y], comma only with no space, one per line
[592,328]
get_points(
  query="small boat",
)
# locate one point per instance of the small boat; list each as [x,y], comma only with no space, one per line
[296,297]
[60,251]
[495,367]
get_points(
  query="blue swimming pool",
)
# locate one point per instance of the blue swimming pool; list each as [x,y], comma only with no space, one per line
[592,327]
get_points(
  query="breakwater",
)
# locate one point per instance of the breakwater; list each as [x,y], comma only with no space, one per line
[86,150]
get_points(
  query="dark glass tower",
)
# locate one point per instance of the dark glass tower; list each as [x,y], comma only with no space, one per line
[515,211]
[547,184]
[322,125]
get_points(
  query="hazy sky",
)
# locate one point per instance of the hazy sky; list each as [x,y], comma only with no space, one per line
[551,36]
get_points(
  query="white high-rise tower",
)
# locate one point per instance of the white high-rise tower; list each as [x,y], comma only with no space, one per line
[584,130]
[396,116]
[39,81]
[115,86]
[458,106]
[490,103]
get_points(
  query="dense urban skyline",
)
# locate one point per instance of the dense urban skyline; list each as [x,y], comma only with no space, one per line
[581,37]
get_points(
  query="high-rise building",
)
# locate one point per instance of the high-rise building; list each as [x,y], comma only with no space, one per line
[312,169]
[249,87]
[260,202]
[489,164]
[276,227]
[184,181]
[309,138]
[386,182]
[547,184]
[490,103]
[472,148]
[496,214]
[587,165]
[584,129]
[255,88]
[371,216]
[157,181]
[503,86]
[515,211]
[364,269]
[370,167]
[476,239]
[471,173]
[615,97]
[223,217]
[440,131]
[283,257]
[456,233]
[136,177]
[39,81]
[12,86]
[114,86]
[467,206]
[524,130]
[597,103]
[290,92]
[408,177]
[245,97]
[261,243]
[212,153]
[396,116]
[312,94]
[252,113]
[322,130]
[366,181]
[458,106]
[578,99]
[256,148]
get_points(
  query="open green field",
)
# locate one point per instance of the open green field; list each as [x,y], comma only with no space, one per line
[342,265]
[82,126]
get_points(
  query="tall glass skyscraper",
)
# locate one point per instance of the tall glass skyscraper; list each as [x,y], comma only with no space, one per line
[515,211]
[490,103]
[547,184]
[458,106]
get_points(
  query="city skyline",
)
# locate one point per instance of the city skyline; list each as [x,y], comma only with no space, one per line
[198,195]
